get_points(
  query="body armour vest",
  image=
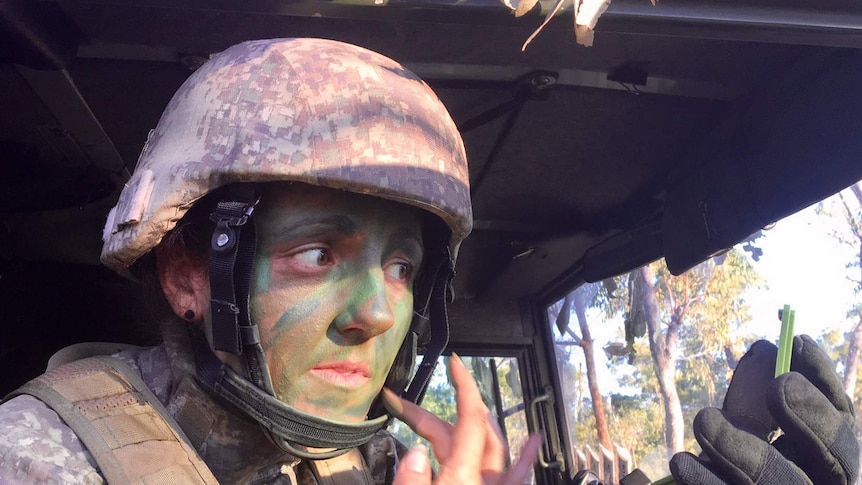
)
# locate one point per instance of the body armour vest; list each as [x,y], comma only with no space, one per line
[133,438]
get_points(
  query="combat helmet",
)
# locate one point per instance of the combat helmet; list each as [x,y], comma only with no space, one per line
[315,111]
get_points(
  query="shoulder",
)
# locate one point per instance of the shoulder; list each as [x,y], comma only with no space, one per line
[36,446]
[382,455]
[154,366]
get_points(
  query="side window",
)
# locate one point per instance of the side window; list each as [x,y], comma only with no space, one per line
[638,355]
[499,382]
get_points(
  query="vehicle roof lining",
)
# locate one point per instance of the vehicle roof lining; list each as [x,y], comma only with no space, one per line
[591,163]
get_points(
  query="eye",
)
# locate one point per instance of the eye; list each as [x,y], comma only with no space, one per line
[401,271]
[313,257]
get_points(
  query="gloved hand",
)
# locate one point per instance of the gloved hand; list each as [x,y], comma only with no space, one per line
[809,404]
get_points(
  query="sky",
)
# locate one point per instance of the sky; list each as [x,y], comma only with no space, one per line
[804,267]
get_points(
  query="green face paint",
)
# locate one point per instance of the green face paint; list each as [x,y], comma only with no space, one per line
[333,294]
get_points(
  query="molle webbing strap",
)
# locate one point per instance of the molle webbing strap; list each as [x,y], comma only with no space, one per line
[347,469]
[124,426]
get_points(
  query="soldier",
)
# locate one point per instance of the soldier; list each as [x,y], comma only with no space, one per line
[295,215]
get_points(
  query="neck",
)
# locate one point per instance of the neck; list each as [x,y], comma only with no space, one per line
[234,447]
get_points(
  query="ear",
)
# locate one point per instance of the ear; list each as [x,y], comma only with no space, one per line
[184,281]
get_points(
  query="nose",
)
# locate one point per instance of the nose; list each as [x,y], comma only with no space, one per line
[369,312]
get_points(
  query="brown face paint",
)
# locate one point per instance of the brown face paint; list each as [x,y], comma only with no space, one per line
[332,294]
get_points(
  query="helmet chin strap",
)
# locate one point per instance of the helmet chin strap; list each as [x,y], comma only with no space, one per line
[433,292]
[290,429]
[231,261]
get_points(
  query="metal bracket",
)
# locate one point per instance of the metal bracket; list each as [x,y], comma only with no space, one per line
[548,399]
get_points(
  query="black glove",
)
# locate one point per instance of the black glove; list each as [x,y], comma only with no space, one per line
[818,446]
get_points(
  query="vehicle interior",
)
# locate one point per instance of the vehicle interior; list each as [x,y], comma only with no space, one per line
[687,127]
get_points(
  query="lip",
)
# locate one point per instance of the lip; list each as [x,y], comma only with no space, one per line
[350,375]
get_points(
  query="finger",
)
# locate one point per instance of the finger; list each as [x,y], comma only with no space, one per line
[425,424]
[688,469]
[414,469]
[519,472]
[745,400]
[740,457]
[812,362]
[469,435]
[494,457]
[829,452]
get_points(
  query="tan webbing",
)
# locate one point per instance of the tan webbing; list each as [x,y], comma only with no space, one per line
[123,425]
[346,469]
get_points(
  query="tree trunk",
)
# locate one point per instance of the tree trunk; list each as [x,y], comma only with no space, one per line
[663,351]
[731,356]
[580,302]
[851,365]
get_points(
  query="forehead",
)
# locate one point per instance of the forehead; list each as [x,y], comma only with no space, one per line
[286,201]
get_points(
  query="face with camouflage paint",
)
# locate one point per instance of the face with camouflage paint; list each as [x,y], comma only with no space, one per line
[333,294]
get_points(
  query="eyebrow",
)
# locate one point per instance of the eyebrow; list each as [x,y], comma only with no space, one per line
[309,226]
[406,240]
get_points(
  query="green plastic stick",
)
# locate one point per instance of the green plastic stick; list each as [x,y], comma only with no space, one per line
[668,480]
[785,341]
[790,332]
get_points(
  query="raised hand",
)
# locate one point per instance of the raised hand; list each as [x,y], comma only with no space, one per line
[471,451]
[818,446]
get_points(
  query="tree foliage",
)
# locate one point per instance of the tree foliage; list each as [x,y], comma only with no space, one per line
[698,320]
[701,312]
[846,346]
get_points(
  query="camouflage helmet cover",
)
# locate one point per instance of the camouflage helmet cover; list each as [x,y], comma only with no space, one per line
[308,110]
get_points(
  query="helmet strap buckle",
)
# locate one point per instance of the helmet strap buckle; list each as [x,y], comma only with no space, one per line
[231,261]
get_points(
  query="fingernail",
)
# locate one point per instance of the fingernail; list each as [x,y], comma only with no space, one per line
[454,359]
[392,403]
[416,459]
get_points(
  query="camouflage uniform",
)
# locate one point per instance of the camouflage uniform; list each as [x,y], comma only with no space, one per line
[36,446]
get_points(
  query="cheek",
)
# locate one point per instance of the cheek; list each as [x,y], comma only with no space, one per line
[290,328]
[292,315]
[389,343]
[276,308]
[403,313]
